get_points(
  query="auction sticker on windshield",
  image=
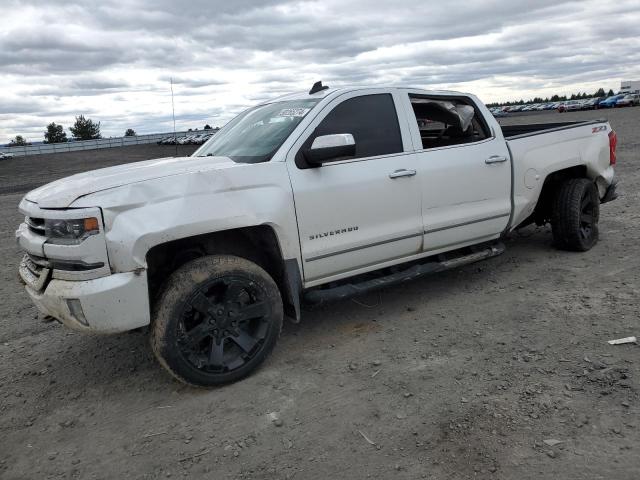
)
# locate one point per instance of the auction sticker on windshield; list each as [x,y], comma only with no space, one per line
[293,112]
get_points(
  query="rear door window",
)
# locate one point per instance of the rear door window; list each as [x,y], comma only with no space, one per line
[447,121]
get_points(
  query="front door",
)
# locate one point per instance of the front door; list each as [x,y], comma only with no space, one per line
[355,214]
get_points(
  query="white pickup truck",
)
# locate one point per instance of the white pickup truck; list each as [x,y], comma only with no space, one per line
[307,198]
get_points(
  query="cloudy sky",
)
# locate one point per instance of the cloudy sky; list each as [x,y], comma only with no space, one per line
[112,60]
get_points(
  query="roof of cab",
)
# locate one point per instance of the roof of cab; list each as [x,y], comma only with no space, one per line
[330,91]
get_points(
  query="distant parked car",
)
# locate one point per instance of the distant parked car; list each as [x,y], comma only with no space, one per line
[199,139]
[610,102]
[629,100]
[591,103]
[570,106]
[5,156]
[206,137]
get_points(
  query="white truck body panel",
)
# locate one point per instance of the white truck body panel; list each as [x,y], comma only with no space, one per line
[478,208]
[380,216]
[535,160]
[144,214]
[340,220]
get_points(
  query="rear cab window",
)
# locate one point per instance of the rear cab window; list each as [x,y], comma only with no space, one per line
[446,121]
[371,119]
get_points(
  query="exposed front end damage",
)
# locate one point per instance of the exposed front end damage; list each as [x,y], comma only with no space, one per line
[72,282]
[111,304]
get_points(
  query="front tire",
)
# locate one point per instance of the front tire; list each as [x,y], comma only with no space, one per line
[217,319]
[576,211]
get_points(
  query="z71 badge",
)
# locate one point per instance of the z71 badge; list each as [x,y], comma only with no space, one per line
[600,128]
[339,231]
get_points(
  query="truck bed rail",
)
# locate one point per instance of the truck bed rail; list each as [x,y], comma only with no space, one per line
[526,130]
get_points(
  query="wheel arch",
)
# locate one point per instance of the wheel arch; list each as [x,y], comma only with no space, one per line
[258,244]
[542,212]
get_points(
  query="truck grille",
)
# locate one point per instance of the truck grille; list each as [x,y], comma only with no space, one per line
[36,225]
[34,271]
[38,262]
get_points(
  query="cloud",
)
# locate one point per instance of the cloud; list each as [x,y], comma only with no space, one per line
[115,58]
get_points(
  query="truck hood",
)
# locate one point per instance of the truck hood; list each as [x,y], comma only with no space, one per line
[62,193]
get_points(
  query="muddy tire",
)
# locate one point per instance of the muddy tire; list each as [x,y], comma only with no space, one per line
[576,211]
[216,320]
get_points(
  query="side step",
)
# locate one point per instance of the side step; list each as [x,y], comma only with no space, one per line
[367,284]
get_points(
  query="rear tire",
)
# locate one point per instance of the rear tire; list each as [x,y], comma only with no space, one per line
[576,211]
[216,320]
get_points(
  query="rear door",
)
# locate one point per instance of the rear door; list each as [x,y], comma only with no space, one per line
[465,179]
[360,213]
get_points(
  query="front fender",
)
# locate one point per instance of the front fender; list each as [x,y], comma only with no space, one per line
[142,215]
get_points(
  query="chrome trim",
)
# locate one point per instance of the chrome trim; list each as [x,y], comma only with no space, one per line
[353,249]
[333,140]
[471,222]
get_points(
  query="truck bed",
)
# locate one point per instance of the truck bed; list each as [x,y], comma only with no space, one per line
[512,131]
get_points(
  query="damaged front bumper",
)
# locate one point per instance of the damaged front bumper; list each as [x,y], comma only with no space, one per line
[111,304]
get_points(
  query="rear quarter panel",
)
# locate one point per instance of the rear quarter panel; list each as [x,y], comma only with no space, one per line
[537,156]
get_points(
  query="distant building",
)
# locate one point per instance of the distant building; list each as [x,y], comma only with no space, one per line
[630,86]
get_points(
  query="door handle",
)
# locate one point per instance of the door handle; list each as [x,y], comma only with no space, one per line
[403,172]
[495,159]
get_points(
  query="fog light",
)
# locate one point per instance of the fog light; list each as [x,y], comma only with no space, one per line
[75,308]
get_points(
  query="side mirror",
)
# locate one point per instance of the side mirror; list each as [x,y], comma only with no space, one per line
[330,147]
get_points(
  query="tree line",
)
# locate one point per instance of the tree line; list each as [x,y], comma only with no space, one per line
[82,129]
[556,98]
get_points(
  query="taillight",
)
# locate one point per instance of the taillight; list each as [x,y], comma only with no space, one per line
[613,143]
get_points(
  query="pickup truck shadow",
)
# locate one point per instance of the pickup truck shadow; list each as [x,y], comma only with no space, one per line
[127,358]
[527,242]
[375,310]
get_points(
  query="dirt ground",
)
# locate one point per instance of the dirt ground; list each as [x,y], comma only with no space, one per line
[498,370]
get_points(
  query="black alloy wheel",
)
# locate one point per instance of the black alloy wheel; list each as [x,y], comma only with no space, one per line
[223,324]
[216,320]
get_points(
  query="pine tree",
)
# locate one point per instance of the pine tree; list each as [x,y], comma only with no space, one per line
[55,134]
[85,129]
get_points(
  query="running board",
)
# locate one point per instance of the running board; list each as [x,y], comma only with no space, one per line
[347,290]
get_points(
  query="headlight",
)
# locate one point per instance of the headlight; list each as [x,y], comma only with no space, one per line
[70,232]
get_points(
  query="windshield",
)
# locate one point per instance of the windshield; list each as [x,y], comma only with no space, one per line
[255,135]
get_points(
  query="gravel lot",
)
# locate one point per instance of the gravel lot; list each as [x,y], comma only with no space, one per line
[474,373]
